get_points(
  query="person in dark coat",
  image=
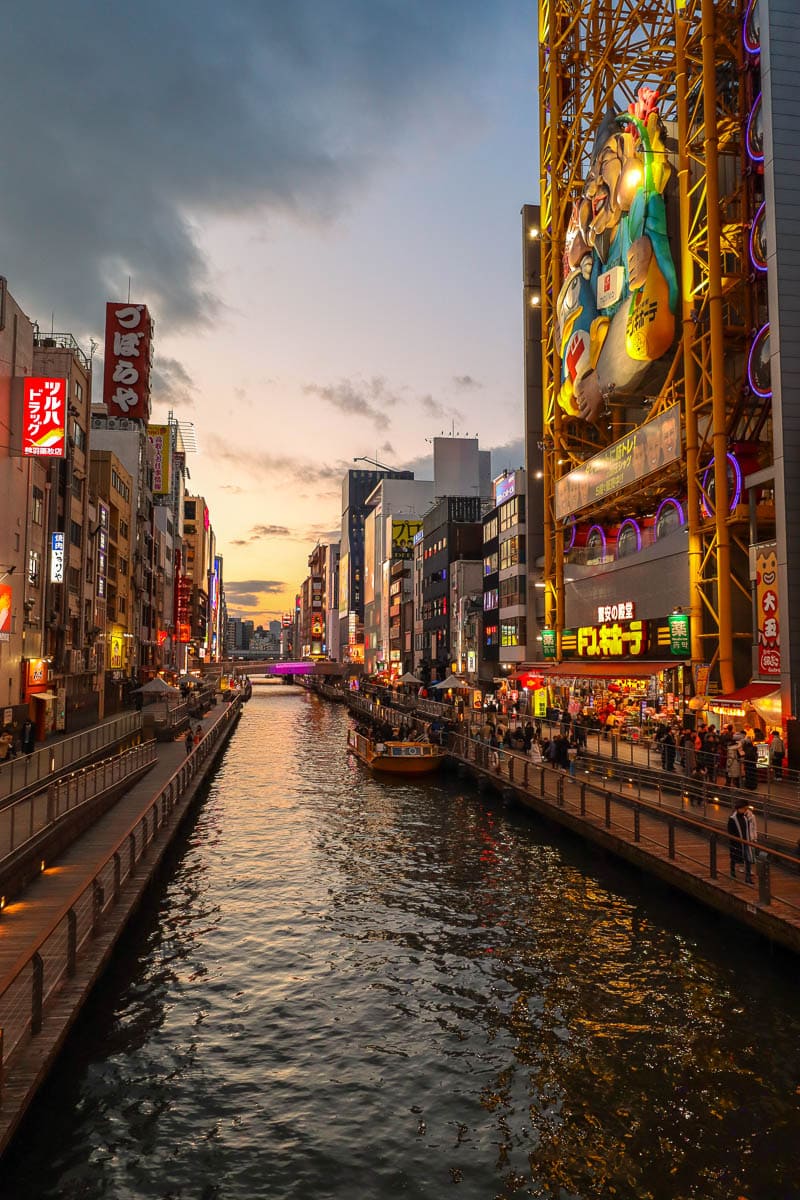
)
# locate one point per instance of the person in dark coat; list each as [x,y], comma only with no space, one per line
[189,741]
[668,750]
[28,736]
[742,824]
[750,756]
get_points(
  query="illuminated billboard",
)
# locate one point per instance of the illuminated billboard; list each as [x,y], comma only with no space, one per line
[403,534]
[646,449]
[159,439]
[128,353]
[44,417]
[5,612]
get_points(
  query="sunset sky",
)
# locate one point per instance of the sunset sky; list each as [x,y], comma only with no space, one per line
[319,202]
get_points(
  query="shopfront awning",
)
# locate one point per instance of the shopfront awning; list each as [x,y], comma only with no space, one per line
[631,669]
[745,695]
[43,696]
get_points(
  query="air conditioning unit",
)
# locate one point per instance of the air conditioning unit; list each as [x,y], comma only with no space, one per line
[113,423]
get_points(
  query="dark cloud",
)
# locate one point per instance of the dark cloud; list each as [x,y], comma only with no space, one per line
[509,456]
[262,465]
[172,385]
[466,383]
[361,399]
[133,125]
[246,600]
[434,409]
[262,531]
[238,588]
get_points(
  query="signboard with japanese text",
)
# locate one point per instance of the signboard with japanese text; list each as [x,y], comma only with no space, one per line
[615,639]
[57,558]
[679,638]
[159,439]
[504,488]
[44,417]
[623,610]
[768,633]
[128,354]
[549,643]
[5,612]
[183,609]
[403,534]
[642,451]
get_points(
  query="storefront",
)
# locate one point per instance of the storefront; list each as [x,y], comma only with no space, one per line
[756,707]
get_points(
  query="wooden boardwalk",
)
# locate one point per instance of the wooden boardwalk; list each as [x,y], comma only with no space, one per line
[34,923]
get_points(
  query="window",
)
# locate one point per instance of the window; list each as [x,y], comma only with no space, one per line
[34,567]
[78,436]
[512,591]
[123,529]
[189,509]
[490,529]
[490,635]
[512,513]
[121,604]
[512,633]
[490,564]
[490,600]
[74,579]
[37,506]
[77,487]
[75,533]
[511,552]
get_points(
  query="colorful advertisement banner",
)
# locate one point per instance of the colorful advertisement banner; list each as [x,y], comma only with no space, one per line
[126,381]
[619,639]
[5,612]
[679,635]
[159,439]
[403,534]
[768,634]
[44,417]
[647,449]
[57,558]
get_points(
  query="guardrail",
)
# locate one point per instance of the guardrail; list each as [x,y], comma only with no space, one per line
[587,799]
[22,820]
[25,771]
[39,974]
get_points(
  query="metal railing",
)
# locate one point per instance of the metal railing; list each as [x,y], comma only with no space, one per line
[22,820]
[24,772]
[41,971]
[623,815]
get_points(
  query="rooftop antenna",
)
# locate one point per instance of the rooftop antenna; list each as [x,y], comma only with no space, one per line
[129,289]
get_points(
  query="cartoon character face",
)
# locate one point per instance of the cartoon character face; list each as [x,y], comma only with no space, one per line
[616,172]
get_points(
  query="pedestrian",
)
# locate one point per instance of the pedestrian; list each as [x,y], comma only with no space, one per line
[733,764]
[668,750]
[198,733]
[28,736]
[776,753]
[750,761]
[572,756]
[742,825]
[189,741]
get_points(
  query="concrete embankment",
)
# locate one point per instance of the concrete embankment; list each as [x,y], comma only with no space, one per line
[57,938]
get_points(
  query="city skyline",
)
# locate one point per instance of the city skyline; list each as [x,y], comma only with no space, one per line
[329,244]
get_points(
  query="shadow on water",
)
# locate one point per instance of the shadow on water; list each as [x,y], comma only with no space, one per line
[340,987]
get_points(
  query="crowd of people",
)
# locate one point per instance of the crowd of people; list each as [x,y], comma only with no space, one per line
[724,756]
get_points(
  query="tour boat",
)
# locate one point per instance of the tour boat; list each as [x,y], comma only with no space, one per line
[395,757]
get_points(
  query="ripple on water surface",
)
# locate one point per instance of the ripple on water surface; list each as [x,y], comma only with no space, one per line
[352,988]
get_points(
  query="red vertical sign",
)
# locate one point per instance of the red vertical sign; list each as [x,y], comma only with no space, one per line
[126,382]
[44,415]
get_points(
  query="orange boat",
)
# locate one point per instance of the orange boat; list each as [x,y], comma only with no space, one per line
[396,758]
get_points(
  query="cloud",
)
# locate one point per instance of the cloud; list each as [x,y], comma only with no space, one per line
[262,465]
[434,409]
[466,383]
[361,399]
[246,600]
[509,456]
[251,106]
[172,385]
[233,488]
[262,531]
[240,587]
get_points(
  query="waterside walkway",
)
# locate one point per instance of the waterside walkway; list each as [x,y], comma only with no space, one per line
[56,940]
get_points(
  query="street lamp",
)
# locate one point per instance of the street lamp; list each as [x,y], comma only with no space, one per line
[381,466]
[7,571]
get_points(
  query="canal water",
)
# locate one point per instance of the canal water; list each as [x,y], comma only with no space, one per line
[350,989]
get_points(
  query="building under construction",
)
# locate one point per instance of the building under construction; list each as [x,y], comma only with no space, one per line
[664,267]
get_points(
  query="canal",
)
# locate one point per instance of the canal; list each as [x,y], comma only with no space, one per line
[345,988]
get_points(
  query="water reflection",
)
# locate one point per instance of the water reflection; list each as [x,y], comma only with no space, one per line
[355,988]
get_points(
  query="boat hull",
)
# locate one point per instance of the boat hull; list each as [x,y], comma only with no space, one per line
[396,758]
